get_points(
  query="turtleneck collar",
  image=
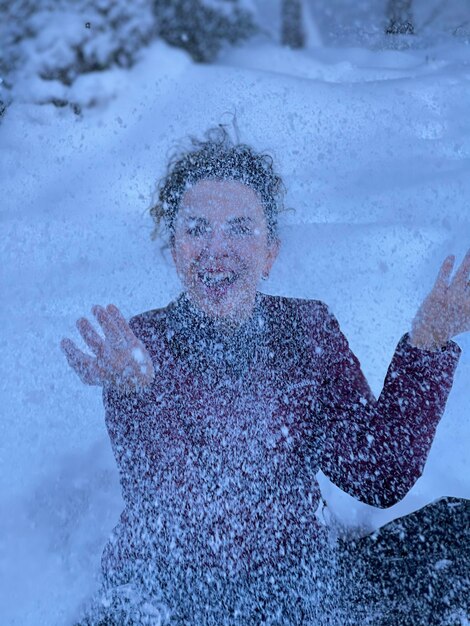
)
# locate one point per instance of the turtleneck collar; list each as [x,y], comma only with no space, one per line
[199,317]
[206,342]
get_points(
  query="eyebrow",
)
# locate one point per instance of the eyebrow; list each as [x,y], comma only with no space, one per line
[231,220]
[236,220]
[196,218]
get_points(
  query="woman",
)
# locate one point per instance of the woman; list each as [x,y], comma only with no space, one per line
[222,407]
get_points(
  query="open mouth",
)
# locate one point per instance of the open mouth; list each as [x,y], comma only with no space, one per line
[218,279]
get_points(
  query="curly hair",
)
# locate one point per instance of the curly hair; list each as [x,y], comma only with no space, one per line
[217,157]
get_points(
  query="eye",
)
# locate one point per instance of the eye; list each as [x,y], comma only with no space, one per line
[196,229]
[240,229]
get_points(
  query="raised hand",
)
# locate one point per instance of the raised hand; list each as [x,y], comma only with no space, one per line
[120,359]
[445,312]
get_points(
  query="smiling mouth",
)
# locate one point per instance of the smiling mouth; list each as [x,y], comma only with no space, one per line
[218,279]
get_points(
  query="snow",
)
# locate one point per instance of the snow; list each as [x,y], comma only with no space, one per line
[374,146]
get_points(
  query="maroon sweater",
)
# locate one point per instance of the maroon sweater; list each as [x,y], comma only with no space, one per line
[218,458]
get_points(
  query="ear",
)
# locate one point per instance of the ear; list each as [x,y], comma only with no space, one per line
[271,256]
[174,257]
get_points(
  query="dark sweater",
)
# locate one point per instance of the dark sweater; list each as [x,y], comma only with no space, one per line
[218,458]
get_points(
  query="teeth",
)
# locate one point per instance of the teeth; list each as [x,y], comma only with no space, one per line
[214,278]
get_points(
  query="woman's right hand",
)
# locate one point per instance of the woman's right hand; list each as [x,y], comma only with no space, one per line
[121,359]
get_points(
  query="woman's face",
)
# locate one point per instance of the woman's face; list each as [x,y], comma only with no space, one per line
[221,247]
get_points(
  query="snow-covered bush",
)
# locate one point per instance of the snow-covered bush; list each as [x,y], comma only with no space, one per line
[47,45]
[202,27]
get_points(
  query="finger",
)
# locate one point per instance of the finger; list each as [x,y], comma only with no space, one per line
[83,364]
[110,329]
[120,322]
[138,351]
[90,336]
[445,271]
[463,273]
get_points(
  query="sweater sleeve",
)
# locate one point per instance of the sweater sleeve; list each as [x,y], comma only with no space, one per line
[123,416]
[127,424]
[375,450]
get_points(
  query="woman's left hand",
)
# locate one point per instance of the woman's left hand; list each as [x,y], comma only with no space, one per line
[445,312]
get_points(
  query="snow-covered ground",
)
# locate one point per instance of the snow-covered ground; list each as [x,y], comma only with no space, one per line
[374,147]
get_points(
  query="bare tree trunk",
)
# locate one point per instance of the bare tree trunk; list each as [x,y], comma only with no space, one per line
[400,17]
[292,30]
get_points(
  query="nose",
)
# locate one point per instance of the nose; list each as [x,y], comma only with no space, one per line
[217,242]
